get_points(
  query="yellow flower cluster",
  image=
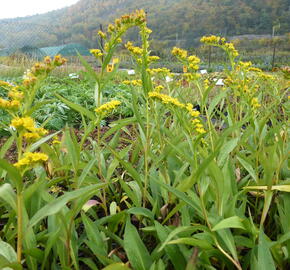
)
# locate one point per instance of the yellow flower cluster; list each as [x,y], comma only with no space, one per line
[134,50]
[254,69]
[133,82]
[58,60]
[220,42]
[158,88]
[163,71]
[126,21]
[213,40]
[165,99]
[30,159]
[40,69]
[286,72]
[136,18]
[191,76]
[107,107]
[193,62]
[9,105]
[96,52]
[264,76]
[255,103]
[5,84]
[198,126]
[153,58]
[15,94]
[28,124]
[102,34]
[179,53]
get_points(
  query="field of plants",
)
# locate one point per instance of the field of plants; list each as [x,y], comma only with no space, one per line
[151,171]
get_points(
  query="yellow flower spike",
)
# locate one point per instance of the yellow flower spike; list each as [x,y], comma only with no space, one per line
[9,105]
[102,34]
[255,103]
[153,58]
[158,88]
[107,107]
[31,136]
[5,84]
[30,159]
[17,95]
[47,60]
[115,60]
[110,67]
[220,42]
[165,99]
[96,52]
[179,53]
[164,71]
[133,82]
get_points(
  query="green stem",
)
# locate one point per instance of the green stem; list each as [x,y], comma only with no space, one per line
[19,226]
[146,150]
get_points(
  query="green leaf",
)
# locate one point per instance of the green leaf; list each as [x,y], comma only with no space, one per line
[141,211]
[284,188]
[59,203]
[73,151]
[192,242]
[7,251]
[248,167]
[77,107]
[265,259]
[90,70]
[117,266]
[8,195]
[226,149]
[194,203]
[86,170]
[231,222]
[37,144]
[5,147]
[183,229]
[136,251]
[173,252]
[13,174]
[6,265]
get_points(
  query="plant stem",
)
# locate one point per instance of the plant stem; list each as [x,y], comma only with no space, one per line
[19,226]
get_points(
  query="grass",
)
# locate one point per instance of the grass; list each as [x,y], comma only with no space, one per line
[185,175]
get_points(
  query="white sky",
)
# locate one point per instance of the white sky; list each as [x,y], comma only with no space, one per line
[21,8]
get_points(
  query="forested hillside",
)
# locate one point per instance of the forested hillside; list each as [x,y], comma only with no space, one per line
[169,19]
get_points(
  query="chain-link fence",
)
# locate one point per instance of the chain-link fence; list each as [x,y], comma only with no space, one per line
[37,40]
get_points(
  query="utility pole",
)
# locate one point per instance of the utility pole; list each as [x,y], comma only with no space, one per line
[274,42]
[101,41]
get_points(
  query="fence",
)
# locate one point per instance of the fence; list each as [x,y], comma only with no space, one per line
[36,40]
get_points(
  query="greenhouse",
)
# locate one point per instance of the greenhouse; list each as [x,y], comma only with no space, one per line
[29,51]
[71,49]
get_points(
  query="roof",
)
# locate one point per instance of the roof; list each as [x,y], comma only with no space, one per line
[66,50]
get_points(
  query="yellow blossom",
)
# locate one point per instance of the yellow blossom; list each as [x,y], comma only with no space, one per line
[165,99]
[9,105]
[30,159]
[158,88]
[133,82]
[96,52]
[255,103]
[102,34]
[179,53]
[107,107]
[164,71]
[31,136]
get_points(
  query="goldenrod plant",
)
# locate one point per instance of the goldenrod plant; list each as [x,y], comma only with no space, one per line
[197,177]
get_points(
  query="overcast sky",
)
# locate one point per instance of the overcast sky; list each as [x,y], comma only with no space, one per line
[21,8]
